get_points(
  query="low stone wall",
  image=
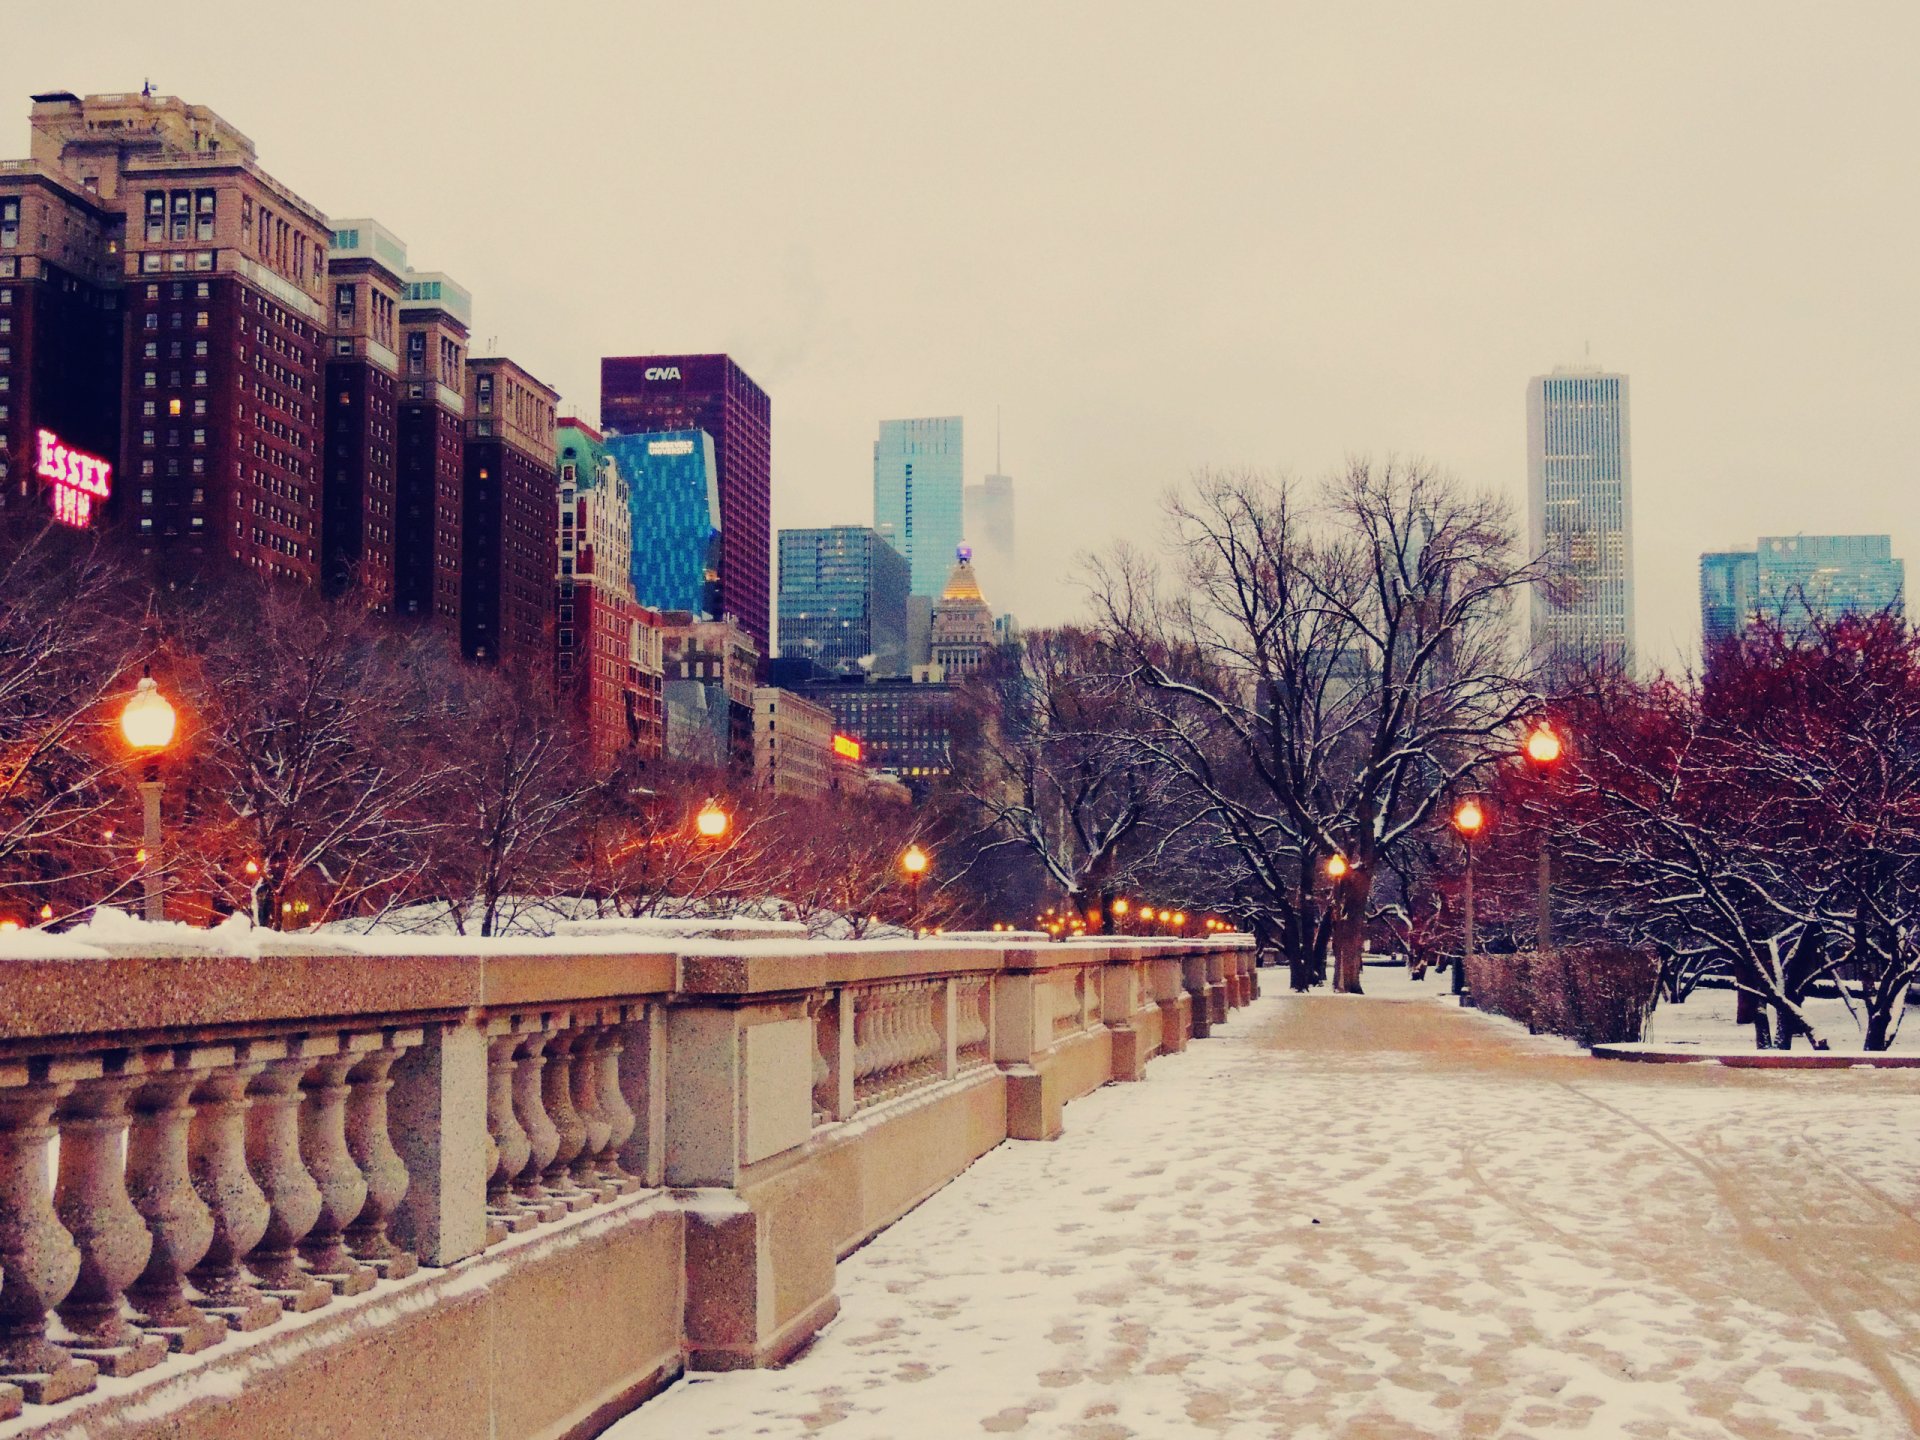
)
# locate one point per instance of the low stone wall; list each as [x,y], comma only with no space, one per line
[510,1191]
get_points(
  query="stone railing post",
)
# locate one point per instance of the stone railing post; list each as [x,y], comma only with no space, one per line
[1176,1005]
[217,1161]
[90,1197]
[1118,1003]
[38,1259]
[643,1086]
[1195,971]
[1219,995]
[294,1201]
[160,1183]
[335,1173]
[370,1143]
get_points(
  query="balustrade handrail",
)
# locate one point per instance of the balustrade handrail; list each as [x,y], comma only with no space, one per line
[226,1153]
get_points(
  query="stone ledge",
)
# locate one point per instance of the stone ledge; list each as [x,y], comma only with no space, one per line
[1759,1059]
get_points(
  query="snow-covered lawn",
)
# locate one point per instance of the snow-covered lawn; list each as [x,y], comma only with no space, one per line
[1361,1218]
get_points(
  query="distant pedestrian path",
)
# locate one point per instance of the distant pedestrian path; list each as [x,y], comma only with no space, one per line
[1362,1217]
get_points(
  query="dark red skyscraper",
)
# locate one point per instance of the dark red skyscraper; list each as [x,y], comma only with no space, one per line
[640,393]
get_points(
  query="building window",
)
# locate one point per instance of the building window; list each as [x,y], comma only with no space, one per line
[146,409]
[200,377]
[200,319]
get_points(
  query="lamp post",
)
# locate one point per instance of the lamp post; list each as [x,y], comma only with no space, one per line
[914,862]
[147,723]
[1468,820]
[1543,751]
[712,822]
[1120,907]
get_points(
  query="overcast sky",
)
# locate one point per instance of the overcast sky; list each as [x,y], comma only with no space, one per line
[1155,236]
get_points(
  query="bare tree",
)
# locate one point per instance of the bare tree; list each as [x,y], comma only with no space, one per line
[71,646]
[318,741]
[1325,668]
[1047,759]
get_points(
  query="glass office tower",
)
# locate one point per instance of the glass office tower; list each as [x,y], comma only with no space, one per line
[919,495]
[673,487]
[843,599]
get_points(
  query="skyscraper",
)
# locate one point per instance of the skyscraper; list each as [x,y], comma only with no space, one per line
[843,599]
[679,542]
[366,268]
[436,313]
[1792,580]
[1729,585]
[1580,505]
[711,393]
[509,543]
[990,532]
[919,495]
[962,622]
[144,211]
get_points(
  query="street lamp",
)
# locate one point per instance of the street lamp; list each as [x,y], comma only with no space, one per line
[712,821]
[914,862]
[1468,819]
[1543,751]
[147,722]
[1336,866]
[1120,908]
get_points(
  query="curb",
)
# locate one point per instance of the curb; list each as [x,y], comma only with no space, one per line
[1760,1059]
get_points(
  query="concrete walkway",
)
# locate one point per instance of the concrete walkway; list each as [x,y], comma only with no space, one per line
[1372,1217]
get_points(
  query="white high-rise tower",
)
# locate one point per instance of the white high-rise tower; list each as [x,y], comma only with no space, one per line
[1580,509]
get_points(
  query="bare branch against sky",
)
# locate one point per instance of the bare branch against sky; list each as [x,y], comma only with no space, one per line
[1157,236]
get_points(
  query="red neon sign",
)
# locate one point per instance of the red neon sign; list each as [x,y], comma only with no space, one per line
[76,480]
[846,747]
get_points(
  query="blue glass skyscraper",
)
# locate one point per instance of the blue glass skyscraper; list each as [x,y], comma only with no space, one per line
[1728,582]
[843,599]
[919,495]
[674,489]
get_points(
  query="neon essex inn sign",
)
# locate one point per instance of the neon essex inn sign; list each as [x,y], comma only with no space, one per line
[75,480]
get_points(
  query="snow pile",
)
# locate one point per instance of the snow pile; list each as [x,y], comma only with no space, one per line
[1344,1217]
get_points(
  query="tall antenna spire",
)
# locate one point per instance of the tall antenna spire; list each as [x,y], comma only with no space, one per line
[996,439]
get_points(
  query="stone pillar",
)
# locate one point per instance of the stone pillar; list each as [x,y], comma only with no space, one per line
[1195,967]
[217,1161]
[1176,1006]
[273,1155]
[543,1139]
[343,1189]
[437,1120]
[371,1146]
[160,1184]
[90,1197]
[569,1126]
[38,1259]
[642,1077]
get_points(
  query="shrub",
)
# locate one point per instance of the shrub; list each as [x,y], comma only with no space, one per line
[1595,994]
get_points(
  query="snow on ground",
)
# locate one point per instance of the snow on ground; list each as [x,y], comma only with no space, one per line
[1349,1217]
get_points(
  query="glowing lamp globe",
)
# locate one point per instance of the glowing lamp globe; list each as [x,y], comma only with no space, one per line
[1543,746]
[914,862]
[1120,906]
[1336,865]
[711,822]
[1469,818]
[148,720]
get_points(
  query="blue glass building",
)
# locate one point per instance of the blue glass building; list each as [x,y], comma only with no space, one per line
[919,495]
[1793,580]
[843,599]
[1728,581]
[674,489]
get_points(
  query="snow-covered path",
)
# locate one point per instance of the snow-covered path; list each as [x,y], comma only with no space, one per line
[1378,1218]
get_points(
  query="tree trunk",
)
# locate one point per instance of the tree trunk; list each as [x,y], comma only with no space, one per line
[1349,928]
[1880,1017]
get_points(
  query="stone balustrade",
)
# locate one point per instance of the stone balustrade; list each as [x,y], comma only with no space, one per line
[324,1175]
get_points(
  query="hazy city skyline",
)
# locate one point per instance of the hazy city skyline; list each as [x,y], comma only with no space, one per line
[1258,236]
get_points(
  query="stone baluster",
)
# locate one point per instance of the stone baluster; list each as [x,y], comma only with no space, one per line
[371,1146]
[343,1189]
[90,1197]
[621,1120]
[543,1139]
[217,1160]
[294,1201]
[590,1100]
[160,1184]
[323,1151]
[38,1259]
[512,1149]
[556,1095]
[823,1022]
[886,1048]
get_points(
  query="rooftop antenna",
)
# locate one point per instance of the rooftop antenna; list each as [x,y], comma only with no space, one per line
[146,89]
[996,440]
